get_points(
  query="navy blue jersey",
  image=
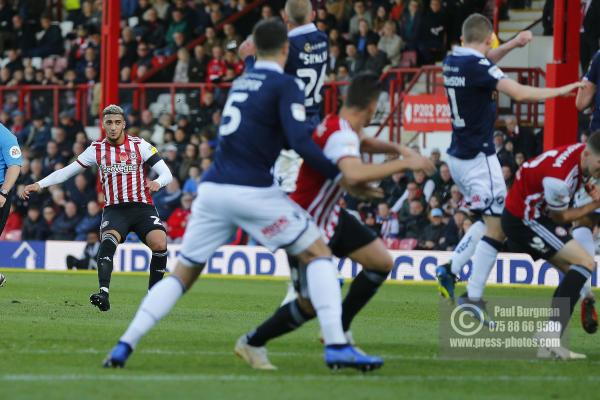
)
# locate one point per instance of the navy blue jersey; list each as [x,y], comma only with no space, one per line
[593,75]
[309,48]
[264,114]
[470,80]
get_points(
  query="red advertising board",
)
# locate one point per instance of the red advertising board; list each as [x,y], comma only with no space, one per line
[426,113]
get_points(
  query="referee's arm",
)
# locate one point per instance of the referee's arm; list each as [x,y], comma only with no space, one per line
[13,158]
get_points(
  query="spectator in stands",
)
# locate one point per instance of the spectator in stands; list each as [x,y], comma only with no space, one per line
[410,24]
[381,16]
[402,205]
[325,18]
[182,67]
[376,60]
[393,187]
[144,58]
[151,30]
[425,185]
[13,226]
[79,191]
[433,33]
[231,36]
[48,216]
[34,227]
[162,8]
[443,183]
[90,221]
[507,173]
[63,227]
[209,106]
[50,41]
[335,59]
[454,202]
[360,13]
[51,157]
[216,66]
[354,61]
[433,232]
[211,40]
[6,14]
[167,199]
[15,61]
[336,39]
[415,223]
[523,138]
[198,65]
[193,180]
[178,24]
[90,252]
[453,232]
[397,10]
[70,125]
[24,35]
[364,36]
[190,159]
[266,12]
[177,221]
[387,221]
[390,43]
[519,160]
[36,135]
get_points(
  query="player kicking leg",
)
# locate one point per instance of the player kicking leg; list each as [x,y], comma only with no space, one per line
[347,237]
[471,79]
[238,191]
[537,208]
[121,160]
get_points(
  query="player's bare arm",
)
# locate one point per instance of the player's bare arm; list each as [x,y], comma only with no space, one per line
[522,93]
[356,172]
[572,214]
[585,95]
[521,40]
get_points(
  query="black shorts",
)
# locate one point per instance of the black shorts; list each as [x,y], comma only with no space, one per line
[131,217]
[349,235]
[540,238]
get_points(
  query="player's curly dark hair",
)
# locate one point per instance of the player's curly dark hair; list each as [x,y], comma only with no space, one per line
[363,90]
[269,37]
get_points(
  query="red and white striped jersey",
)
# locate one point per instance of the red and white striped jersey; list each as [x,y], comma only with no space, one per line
[314,192]
[549,181]
[121,169]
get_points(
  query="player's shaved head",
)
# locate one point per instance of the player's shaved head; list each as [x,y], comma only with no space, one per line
[476,29]
[298,11]
[270,36]
[113,109]
[363,90]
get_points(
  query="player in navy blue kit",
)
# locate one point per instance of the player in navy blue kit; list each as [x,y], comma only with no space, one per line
[263,114]
[588,97]
[472,79]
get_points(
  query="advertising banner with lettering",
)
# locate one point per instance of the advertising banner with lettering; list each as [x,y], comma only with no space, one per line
[426,113]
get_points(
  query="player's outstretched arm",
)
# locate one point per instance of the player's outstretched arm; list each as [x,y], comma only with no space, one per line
[572,214]
[585,95]
[164,176]
[521,40]
[524,93]
[58,176]
[355,172]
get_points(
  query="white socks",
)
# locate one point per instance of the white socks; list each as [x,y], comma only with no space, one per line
[585,238]
[466,247]
[483,262]
[326,297]
[157,304]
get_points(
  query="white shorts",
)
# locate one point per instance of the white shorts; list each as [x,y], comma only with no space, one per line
[481,182]
[582,197]
[266,214]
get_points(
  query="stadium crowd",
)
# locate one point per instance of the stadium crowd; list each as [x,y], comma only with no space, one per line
[375,35]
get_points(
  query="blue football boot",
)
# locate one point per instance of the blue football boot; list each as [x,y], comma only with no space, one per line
[446,281]
[349,357]
[117,356]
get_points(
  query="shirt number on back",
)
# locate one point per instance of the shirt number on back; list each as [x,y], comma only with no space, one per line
[233,113]
[314,84]
[457,121]
[538,160]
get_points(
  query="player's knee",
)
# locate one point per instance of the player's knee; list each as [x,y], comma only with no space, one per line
[316,250]
[382,264]
[306,306]
[588,262]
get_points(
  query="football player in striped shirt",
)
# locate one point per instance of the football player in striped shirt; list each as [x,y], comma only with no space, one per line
[121,160]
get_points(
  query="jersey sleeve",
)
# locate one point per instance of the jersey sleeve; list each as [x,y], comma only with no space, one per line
[149,153]
[342,144]
[486,74]
[556,193]
[292,115]
[592,72]
[10,149]
[88,157]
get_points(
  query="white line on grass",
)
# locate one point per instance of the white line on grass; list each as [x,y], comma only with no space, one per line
[271,377]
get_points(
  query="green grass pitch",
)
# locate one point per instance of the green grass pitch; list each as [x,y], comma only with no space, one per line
[52,342]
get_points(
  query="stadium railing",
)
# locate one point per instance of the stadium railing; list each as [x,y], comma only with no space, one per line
[182,98]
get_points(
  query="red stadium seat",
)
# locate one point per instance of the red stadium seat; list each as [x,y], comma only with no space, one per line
[408,244]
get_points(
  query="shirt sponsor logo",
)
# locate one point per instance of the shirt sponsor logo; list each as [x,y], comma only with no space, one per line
[119,169]
[123,157]
[298,112]
[15,152]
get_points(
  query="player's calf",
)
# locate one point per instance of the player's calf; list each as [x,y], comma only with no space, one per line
[106,252]
[158,267]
